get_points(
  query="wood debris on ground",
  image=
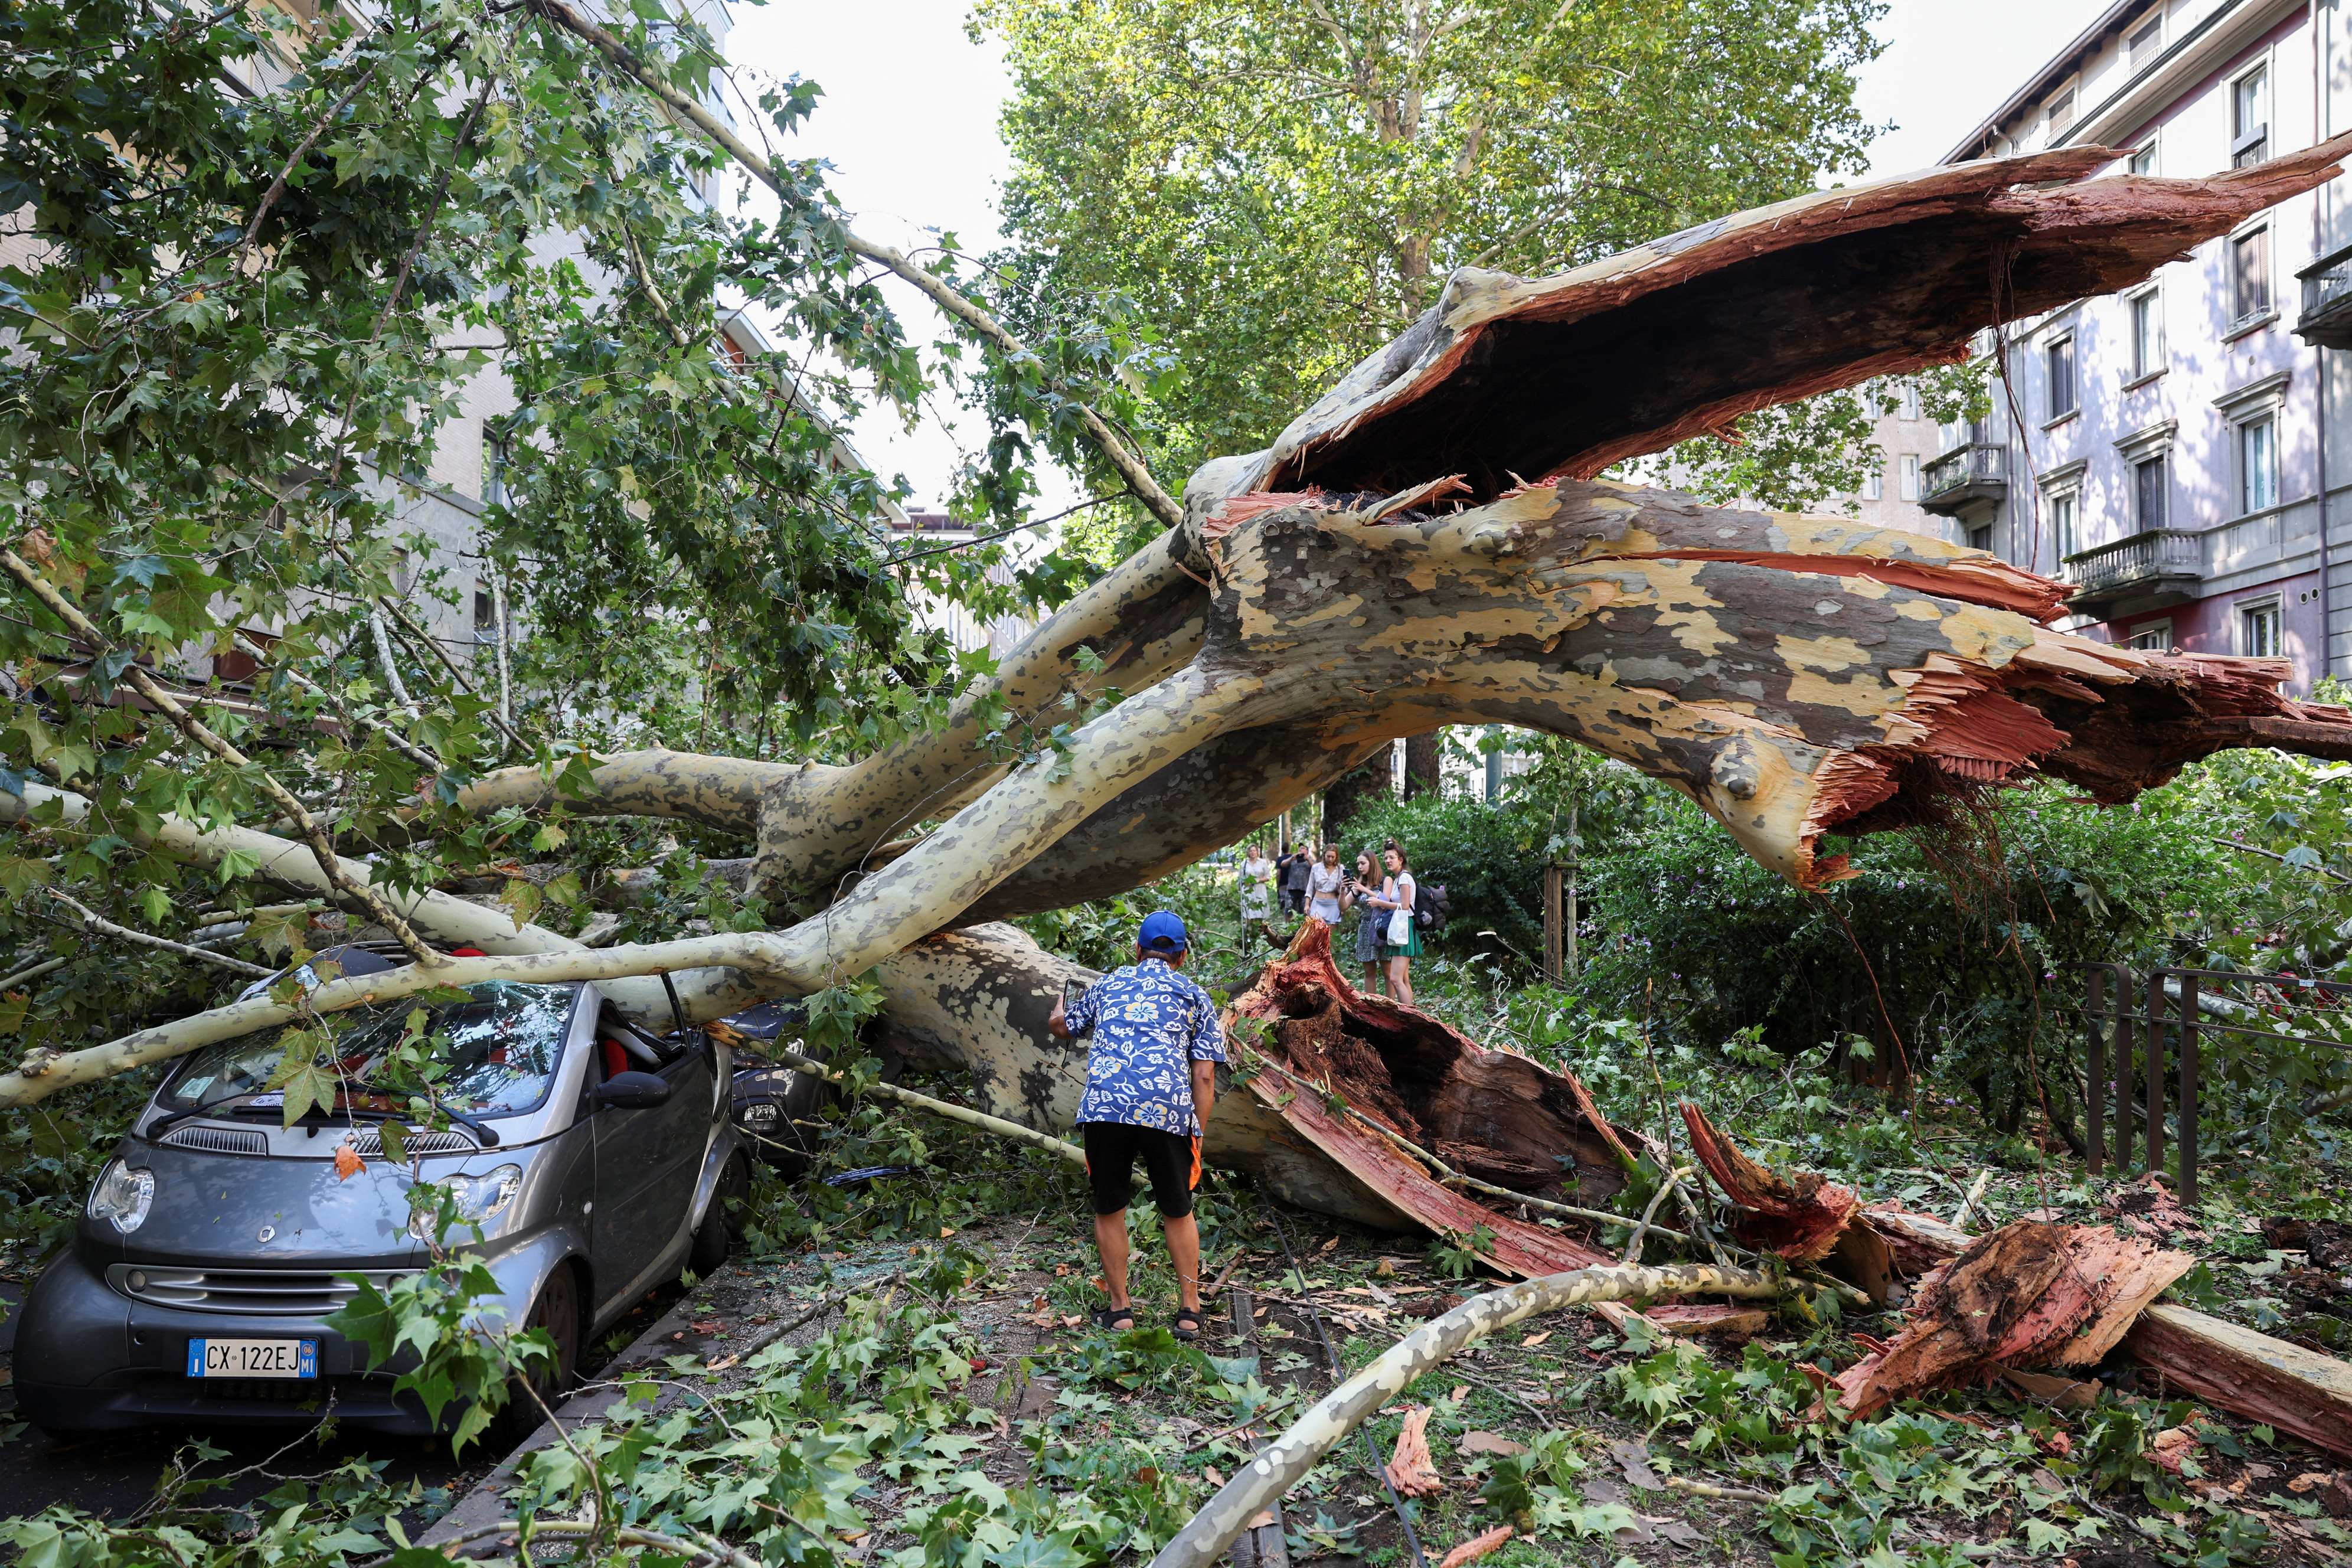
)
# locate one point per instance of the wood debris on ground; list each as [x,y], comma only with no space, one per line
[1413,1472]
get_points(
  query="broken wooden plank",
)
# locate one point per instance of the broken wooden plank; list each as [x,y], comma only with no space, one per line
[2247,1373]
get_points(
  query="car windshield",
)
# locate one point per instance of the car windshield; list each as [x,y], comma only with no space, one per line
[502,1050]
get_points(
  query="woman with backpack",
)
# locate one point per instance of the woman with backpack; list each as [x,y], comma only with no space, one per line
[1401,943]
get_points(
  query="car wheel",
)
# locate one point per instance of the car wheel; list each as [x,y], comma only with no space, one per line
[722,1220]
[556,1308]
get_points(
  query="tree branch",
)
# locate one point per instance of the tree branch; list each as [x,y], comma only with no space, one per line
[91,920]
[1129,465]
[312,834]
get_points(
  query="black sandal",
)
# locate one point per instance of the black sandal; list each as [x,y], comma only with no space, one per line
[1108,1317]
[1188,1323]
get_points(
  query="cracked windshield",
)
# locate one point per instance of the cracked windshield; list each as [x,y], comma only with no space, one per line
[500,1049]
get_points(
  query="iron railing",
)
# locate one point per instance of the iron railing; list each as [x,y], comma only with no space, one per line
[2147,557]
[1980,464]
[2327,319]
[2137,1073]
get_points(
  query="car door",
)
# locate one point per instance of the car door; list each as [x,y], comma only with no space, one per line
[646,1165]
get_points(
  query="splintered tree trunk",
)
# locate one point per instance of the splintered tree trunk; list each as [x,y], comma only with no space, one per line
[1381,570]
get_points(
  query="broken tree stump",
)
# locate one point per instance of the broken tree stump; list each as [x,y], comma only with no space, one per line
[2029,1295]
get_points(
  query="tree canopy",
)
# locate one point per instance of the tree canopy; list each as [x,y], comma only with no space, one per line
[1280,189]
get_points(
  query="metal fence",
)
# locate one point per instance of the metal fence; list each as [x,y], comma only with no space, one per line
[2173,1015]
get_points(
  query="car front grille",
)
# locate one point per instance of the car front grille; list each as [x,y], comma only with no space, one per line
[219,1139]
[268,1292]
[369,1144]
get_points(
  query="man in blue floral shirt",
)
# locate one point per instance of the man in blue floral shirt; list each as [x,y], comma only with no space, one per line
[1151,1077]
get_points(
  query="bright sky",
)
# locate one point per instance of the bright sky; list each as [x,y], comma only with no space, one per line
[908,121]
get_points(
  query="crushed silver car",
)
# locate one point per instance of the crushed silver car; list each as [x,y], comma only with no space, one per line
[597,1157]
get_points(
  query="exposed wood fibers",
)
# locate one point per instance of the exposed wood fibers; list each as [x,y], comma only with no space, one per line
[2029,1295]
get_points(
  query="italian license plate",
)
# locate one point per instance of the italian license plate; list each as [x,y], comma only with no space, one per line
[253,1358]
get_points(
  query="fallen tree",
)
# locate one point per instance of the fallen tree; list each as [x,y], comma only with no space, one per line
[1383,570]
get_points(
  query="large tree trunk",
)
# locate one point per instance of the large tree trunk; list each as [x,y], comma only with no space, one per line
[1352,792]
[1424,763]
[1383,570]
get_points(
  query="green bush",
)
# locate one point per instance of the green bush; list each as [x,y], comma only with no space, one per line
[1948,948]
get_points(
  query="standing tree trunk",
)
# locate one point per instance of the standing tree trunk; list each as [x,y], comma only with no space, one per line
[1350,793]
[1423,771]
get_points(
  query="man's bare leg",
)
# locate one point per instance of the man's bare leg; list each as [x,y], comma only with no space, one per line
[1110,1241]
[1183,1233]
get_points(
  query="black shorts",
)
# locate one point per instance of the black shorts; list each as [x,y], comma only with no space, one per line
[1172,1160]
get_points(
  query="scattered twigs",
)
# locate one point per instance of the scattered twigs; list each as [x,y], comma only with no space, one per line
[1372,1453]
[93,921]
[394,738]
[329,864]
[1672,1183]
[1282,1463]
[1968,1203]
[1709,1489]
[987,1123]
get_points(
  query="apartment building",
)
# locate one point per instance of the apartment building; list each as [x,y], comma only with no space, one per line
[1908,443]
[2179,452]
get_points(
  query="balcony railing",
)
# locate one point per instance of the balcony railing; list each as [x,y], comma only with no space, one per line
[2327,321]
[2162,560]
[1971,473]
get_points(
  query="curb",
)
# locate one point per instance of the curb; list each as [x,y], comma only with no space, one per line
[482,1504]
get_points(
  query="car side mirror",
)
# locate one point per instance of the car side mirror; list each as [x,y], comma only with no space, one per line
[631,1091]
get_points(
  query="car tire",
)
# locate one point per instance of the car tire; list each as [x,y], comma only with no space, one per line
[557,1310]
[722,1222]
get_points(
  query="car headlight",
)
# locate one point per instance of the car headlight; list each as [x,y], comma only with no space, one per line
[122,1196]
[477,1198]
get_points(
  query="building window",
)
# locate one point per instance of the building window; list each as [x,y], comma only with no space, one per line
[2146,310]
[2061,115]
[2258,630]
[1908,403]
[2064,530]
[2249,115]
[2143,161]
[2148,494]
[2142,48]
[2154,637]
[1981,537]
[2258,478]
[1910,481]
[1873,483]
[2059,358]
[2250,276]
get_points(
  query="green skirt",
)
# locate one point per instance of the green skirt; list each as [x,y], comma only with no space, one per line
[1410,947]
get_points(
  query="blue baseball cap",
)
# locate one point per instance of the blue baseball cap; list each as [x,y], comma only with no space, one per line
[1163,932]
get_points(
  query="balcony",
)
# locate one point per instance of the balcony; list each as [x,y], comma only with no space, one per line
[2163,565]
[2327,321]
[1964,477]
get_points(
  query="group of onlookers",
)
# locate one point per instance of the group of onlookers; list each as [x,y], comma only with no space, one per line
[1381,893]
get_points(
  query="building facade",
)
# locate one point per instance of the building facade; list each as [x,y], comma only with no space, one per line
[2179,452]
